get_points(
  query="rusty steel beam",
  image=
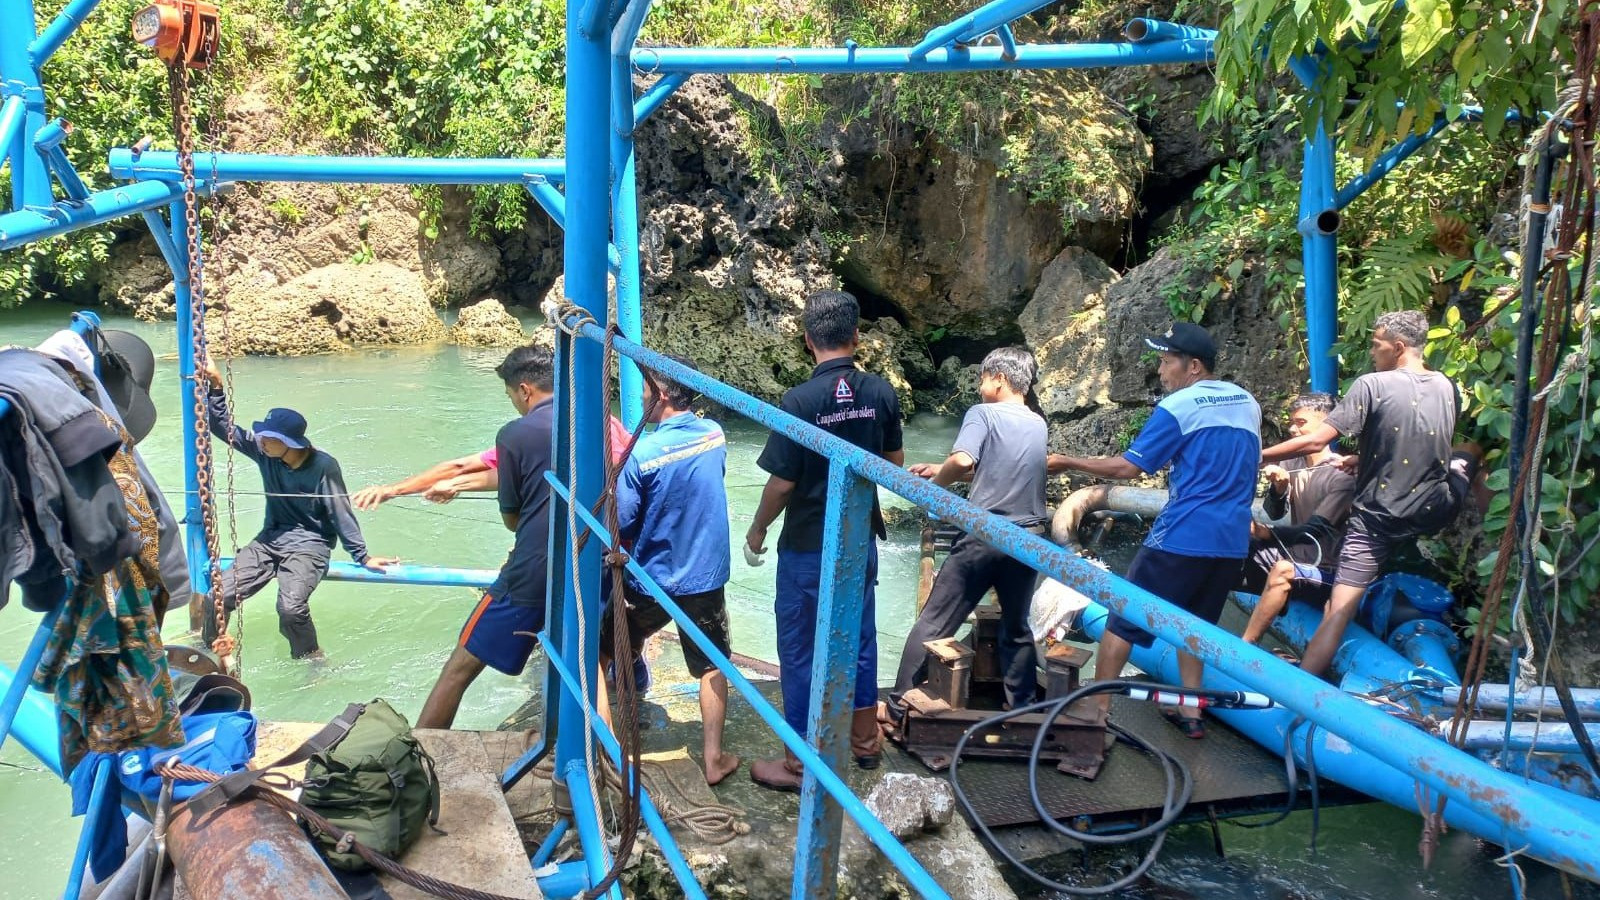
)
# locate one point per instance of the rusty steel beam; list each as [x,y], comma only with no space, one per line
[249,850]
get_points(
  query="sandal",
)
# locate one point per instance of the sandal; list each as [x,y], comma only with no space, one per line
[1193,729]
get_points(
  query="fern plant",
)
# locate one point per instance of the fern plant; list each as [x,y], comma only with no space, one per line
[1395,273]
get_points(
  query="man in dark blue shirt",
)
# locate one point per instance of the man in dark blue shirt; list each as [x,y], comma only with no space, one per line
[307,510]
[672,507]
[499,633]
[862,409]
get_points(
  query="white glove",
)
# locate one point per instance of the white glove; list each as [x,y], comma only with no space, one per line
[753,558]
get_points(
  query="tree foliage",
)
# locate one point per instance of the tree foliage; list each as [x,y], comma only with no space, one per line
[1389,69]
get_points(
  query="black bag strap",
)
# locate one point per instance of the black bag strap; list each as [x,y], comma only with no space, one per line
[231,786]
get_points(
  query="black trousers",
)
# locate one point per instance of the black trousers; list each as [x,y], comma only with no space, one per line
[299,569]
[969,572]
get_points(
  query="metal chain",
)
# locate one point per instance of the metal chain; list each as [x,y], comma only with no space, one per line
[183,127]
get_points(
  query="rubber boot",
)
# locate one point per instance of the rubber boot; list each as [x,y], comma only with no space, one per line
[866,737]
[784,774]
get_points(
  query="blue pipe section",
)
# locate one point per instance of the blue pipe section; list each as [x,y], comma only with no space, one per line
[652,817]
[42,742]
[56,159]
[1551,830]
[625,205]
[1494,697]
[1336,759]
[12,112]
[847,542]
[439,576]
[30,178]
[568,880]
[1008,42]
[554,204]
[51,135]
[860,61]
[596,857]
[1150,31]
[1319,248]
[35,726]
[657,94]
[974,25]
[881,837]
[194,531]
[579,424]
[83,322]
[1386,162]
[1429,644]
[524,764]
[60,28]
[1545,737]
[91,824]
[51,219]
[163,166]
[547,848]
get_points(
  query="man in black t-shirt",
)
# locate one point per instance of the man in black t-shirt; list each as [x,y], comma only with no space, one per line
[862,409]
[1409,482]
[499,633]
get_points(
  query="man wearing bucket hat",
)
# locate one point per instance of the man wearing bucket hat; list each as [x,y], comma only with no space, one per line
[1209,432]
[308,509]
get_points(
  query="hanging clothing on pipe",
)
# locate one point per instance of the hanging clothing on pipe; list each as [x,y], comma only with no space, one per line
[123,394]
[62,512]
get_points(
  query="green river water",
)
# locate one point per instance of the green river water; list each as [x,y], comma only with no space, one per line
[388,412]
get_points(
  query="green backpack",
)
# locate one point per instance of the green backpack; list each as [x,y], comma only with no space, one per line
[375,782]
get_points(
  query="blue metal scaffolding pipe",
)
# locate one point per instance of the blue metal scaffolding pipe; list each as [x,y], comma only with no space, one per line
[1386,162]
[91,824]
[657,94]
[60,28]
[1319,247]
[17,692]
[51,135]
[625,204]
[1150,31]
[585,238]
[1008,41]
[30,179]
[56,159]
[596,855]
[11,115]
[652,816]
[547,847]
[894,851]
[51,219]
[1551,830]
[554,204]
[860,61]
[35,724]
[162,165]
[1544,737]
[975,24]
[437,576]
[568,880]
[177,244]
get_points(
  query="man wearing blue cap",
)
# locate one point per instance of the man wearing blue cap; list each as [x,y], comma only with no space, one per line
[1209,432]
[308,508]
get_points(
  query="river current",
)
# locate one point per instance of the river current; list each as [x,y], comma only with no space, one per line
[385,413]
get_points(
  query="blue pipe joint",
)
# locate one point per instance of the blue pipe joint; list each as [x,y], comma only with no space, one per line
[1430,644]
[1321,224]
[1150,31]
[562,880]
[51,135]
[1430,599]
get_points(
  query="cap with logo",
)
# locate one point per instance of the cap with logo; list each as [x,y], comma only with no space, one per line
[1186,338]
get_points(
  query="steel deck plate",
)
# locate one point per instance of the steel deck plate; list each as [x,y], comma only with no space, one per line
[1232,776]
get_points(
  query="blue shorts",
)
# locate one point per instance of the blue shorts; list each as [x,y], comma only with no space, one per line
[500,633]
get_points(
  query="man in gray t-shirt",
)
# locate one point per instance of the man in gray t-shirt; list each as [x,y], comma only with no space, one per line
[1001,450]
[1408,483]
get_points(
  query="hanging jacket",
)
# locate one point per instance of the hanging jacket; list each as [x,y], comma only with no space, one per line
[69,347]
[55,446]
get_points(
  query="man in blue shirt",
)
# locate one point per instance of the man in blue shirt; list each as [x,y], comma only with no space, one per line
[673,508]
[1209,432]
[499,633]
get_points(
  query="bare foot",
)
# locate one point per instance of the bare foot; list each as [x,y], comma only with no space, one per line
[721,767]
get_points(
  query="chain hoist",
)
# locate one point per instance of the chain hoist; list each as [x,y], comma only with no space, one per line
[184,34]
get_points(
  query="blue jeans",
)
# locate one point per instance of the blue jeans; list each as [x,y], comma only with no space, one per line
[799,579]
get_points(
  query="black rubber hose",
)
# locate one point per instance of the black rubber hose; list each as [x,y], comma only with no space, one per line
[1179,789]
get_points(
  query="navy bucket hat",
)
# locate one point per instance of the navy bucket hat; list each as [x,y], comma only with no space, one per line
[284,424]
